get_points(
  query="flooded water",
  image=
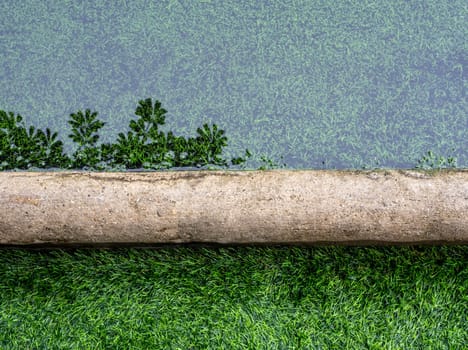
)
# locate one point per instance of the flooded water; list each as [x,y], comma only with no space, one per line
[322,84]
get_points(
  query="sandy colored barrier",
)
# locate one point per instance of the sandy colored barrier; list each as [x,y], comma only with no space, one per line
[234,207]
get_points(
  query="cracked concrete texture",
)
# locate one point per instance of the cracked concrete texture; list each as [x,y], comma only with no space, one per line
[234,207]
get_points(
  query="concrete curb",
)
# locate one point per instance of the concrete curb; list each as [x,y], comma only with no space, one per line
[234,207]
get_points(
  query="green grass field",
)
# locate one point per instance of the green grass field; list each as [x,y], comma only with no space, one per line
[235,298]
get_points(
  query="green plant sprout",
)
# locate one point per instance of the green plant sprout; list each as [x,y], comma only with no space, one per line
[270,164]
[431,161]
[143,147]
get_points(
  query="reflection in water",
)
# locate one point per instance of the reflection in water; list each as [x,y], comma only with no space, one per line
[392,75]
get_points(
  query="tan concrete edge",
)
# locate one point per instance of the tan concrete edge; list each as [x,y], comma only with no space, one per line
[234,207]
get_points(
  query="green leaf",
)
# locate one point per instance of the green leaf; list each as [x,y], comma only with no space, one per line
[84,126]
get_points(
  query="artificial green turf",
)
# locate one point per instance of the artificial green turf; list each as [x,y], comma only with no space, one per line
[235,298]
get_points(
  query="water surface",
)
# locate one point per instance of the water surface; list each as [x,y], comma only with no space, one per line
[323,84]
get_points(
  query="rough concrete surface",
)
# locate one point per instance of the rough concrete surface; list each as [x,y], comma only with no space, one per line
[234,207]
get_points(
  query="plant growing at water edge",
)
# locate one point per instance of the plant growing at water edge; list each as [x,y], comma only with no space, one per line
[431,161]
[144,146]
[133,149]
[84,132]
[270,164]
[24,149]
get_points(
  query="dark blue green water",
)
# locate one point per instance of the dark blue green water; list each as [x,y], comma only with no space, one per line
[323,84]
